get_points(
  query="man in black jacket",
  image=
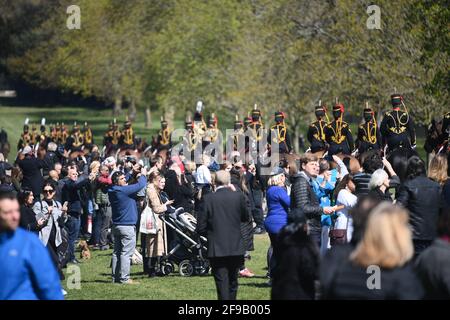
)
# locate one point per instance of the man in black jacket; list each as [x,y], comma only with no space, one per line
[71,194]
[303,199]
[220,222]
[31,169]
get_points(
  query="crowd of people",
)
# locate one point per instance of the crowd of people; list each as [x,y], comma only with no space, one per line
[327,222]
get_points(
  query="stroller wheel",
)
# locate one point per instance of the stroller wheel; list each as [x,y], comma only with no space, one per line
[186,268]
[167,268]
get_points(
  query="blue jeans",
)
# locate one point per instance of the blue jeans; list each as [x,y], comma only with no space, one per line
[73,228]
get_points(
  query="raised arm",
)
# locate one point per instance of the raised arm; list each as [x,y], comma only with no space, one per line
[134,188]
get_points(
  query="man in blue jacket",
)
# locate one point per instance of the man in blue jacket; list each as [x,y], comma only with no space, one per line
[124,216]
[26,270]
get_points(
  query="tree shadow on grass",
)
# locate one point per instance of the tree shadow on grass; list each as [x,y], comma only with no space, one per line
[96,281]
[255,284]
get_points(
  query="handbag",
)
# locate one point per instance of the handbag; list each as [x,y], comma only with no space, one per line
[148,222]
[338,236]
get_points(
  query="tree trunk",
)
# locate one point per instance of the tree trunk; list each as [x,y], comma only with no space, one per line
[169,116]
[296,137]
[132,110]
[148,118]
[117,106]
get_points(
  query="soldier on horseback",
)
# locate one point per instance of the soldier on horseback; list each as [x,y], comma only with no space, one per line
[163,141]
[236,141]
[279,134]
[127,137]
[212,132]
[76,140]
[44,137]
[397,127]
[25,137]
[369,137]
[63,135]
[190,140]
[338,134]
[199,125]
[34,136]
[87,135]
[115,136]
[256,127]
[54,133]
[316,130]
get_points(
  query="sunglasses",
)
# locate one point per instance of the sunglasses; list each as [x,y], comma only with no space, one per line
[49,191]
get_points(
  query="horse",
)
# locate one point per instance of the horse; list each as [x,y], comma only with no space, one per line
[5,149]
[437,141]
[399,160]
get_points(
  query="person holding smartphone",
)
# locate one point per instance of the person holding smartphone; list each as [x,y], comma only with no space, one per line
[54,214]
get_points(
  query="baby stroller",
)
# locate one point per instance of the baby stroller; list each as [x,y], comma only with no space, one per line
[189,248]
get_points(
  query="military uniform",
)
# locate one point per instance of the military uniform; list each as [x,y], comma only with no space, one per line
[25,138]
[127,137]
[76,140]
[88,137]
[199,125]
[397,127]
[316,131]
[212,132]
[247,123]
[256,129]
[44,136]
[163,139]
[279,134]
[190,140]
[115,136]
[338,134]
[64,135]
[236,141]
[369,137]
[53,134]
[34,136]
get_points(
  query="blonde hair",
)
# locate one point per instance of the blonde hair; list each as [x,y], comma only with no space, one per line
[438,169]
[275,180]
[95,166]
[387,240]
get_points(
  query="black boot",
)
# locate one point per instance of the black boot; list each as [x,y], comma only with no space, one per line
[152,262]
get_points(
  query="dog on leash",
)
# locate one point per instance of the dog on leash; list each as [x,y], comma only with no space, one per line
[85,253]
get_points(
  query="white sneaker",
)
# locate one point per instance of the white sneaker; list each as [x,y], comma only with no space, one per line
[64,292]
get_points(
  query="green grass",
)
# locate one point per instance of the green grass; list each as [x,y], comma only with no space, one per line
[96,281]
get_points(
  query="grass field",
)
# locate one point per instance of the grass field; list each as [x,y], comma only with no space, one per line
[96,281]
